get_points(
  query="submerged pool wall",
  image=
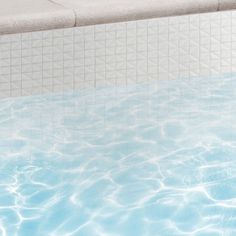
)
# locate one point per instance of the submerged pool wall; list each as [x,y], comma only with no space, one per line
[117,54]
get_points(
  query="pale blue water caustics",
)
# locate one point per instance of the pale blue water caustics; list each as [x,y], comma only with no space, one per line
[156,159]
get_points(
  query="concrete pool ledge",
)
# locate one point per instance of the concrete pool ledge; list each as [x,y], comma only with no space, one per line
[18,16]
[92,12]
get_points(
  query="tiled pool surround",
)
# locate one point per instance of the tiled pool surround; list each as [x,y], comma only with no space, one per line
[119,53]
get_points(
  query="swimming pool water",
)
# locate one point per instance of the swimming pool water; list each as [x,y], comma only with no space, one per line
[156,159]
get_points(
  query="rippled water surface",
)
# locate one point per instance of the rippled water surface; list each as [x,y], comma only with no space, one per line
[155,159]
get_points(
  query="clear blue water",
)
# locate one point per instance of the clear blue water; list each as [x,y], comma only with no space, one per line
[155,159]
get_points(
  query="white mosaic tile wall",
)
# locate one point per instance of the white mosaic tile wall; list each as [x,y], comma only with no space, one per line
[120,53]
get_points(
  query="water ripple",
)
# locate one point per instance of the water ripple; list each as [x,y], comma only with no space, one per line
[148,159]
